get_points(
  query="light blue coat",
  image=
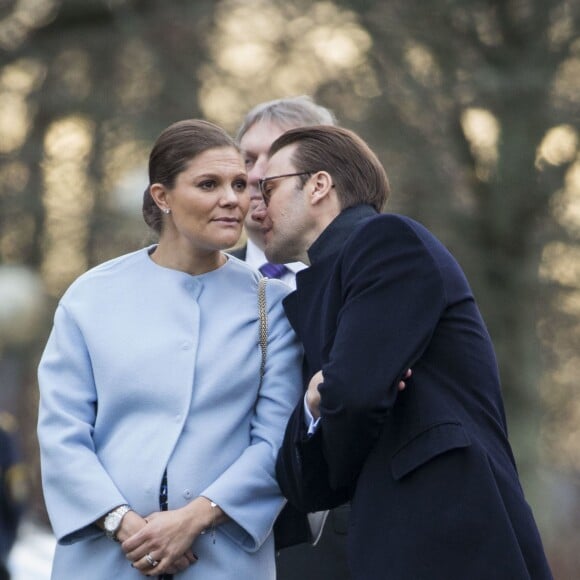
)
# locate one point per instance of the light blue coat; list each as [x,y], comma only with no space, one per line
[146,368]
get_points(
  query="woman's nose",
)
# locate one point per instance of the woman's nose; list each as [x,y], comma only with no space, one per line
[229,196]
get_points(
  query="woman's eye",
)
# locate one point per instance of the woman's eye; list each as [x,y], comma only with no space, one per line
[249,162]
[207,185]
[240,185]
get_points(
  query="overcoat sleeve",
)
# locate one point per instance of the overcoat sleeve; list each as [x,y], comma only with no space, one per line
[302,470]
[76,486]
[392,298]
[248,491]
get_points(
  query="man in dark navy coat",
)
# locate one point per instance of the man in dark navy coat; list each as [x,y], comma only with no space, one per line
[430,473]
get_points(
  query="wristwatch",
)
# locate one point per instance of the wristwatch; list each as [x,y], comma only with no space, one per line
[113,521]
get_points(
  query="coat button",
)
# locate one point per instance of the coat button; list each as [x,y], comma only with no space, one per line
[187,494]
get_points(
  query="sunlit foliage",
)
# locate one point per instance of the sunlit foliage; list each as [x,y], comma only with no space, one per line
[293,48]
[68,201]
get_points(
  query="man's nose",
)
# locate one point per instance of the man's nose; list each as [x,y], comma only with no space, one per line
[255,194]
[260,212]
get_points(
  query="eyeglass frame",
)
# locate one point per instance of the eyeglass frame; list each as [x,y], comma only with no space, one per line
[266,196]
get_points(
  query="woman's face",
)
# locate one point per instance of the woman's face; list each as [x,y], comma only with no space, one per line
[208,201]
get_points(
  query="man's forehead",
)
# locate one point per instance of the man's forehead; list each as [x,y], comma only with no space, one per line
[261,135]
[282,159]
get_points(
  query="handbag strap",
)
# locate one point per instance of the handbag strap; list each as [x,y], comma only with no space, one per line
[263,325]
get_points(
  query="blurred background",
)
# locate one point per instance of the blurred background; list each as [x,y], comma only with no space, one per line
[472,105]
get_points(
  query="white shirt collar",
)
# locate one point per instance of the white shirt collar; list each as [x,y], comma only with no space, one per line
[256,258]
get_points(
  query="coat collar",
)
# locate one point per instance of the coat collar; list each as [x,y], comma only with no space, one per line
[334,236]
[326,246]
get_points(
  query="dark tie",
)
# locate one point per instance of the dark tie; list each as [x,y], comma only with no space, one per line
[273,270]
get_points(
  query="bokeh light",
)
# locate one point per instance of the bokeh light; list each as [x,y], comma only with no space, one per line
[482,130]
[68,200]
[298,48]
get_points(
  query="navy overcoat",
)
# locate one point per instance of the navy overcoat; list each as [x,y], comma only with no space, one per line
[430,473]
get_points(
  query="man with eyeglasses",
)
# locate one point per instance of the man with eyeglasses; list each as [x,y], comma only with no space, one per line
[433,484]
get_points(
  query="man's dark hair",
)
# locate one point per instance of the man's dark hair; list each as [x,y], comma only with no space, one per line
[358,175]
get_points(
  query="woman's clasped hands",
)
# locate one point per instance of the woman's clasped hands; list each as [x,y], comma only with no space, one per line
[161,543]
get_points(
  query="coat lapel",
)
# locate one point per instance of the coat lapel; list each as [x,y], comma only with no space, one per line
[302,308]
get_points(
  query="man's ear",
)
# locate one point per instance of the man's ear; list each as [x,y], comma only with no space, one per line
[320,187]
[159,195]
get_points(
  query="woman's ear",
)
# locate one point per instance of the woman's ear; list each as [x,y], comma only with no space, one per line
[321,186]
[159,195]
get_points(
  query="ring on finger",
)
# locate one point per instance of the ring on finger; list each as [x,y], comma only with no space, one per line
[151,561]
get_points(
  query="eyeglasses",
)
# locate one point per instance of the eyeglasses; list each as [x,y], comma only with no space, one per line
[267,193]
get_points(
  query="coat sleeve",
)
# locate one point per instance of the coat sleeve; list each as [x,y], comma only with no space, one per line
[248,491]
[77,489]
[393,296]
[302,470]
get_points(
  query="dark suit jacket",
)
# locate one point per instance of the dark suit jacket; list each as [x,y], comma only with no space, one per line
[240,252]
[435,492]
[11,507]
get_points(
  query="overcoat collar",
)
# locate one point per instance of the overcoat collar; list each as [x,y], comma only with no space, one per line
[322,252]
[333,237]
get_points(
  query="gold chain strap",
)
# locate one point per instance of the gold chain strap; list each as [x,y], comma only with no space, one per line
[263,325]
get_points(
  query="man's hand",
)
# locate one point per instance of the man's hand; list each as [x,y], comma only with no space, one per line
[313,394]
[402,384]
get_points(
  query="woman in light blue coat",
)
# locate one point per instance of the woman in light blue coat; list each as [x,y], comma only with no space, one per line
[155,428]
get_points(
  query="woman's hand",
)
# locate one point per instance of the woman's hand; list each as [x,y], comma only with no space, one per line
[131,523]
[163,545]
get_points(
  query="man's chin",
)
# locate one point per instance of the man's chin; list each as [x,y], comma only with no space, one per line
[267,241]
[273,256]
[278,257]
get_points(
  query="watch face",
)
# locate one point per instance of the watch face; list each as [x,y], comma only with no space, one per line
[112,522]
